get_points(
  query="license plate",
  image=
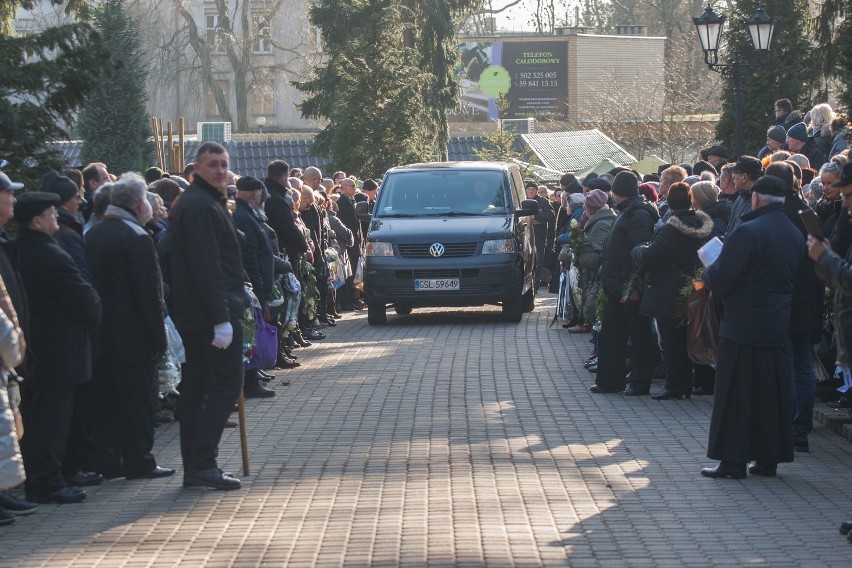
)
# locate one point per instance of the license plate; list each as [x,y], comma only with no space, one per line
[436,284]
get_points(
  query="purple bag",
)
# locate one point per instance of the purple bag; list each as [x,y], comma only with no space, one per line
[265,345]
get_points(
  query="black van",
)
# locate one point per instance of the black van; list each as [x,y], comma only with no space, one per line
[450,234]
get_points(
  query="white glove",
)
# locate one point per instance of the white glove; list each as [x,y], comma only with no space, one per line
[223,334]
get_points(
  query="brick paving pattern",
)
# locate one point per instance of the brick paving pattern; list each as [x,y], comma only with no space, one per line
[450,438]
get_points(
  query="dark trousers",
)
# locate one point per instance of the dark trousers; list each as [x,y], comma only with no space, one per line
[131,412]
[212,379]
[81,434]
[47,416]
[620,322]
[678,364]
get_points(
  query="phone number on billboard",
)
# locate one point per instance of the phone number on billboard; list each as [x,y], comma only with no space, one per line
[538,84]
[536,75]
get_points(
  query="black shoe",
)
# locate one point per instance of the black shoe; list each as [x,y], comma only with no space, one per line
[85,479]
[601,390]
[230,424]
[258,391]
[803,447]
[210,478]
[593,368]
[156,473]
[264,376]
[327,321]
[630,391]
[61,496]
[763,469]
[313,335]
[702,391]
[15,505]
[845,527]
[667,394]
[591,363]
[725,470]
[6,518]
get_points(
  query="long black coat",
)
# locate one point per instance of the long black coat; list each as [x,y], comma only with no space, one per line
[290,239]
[670,260]
[634,226]
[64,311]
[720,213]
[346,214]
[70,236]
[207,265]
[126,274]
[754,277]
[258,260]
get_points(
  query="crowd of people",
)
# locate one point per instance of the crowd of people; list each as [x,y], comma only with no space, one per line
[123,296]
[624,257]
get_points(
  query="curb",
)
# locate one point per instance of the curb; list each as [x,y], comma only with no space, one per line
[827,416]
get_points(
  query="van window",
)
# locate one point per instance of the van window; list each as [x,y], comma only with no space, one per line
[444,192]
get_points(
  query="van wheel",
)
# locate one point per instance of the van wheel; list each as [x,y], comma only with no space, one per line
[377,313]
[402,310]
[529,300]
[513,308]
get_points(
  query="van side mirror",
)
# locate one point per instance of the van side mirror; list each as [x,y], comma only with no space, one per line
[528,207]
[362,211]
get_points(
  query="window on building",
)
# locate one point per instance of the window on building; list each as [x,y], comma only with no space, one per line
[261,34]
[215,36]
[263,97]
[212,108]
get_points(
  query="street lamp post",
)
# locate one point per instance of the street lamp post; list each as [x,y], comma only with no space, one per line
[710,26]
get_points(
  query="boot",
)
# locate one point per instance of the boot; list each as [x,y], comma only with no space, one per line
[732,470]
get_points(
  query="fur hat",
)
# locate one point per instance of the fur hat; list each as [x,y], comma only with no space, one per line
[798,132]
[625,184]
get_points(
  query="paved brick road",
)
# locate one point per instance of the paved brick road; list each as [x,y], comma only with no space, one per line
[451,438]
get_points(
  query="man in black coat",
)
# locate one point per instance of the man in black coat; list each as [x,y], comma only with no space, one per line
[279,211]
[541,221]
[346,214]
[754,279]
[64,311]
[126,274]
[621,319]
[258,262]
[208,302]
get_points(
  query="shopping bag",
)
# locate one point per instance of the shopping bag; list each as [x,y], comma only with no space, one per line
[265,349]
[702,335]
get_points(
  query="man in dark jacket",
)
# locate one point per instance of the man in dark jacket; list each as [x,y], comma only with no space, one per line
[744,173]
[621,319]
[754,279]
[346,214]
[258,262]
[279,212]
[541,221]
[208,301]
[64,311]
[126,274]
[800,143]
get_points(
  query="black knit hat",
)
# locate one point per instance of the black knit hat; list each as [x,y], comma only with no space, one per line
[59,185]
[625,184]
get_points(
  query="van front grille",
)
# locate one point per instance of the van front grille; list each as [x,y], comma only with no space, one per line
[451,250]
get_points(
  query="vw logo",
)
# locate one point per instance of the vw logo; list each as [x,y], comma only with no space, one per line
[436,250]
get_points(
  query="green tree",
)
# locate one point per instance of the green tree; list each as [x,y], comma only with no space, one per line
[788,72]
[44,78]
[832,29]
[114,123]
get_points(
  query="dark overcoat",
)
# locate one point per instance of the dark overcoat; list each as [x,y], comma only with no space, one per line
[126,274]
[207,265]
[258,260]
[64,311]
[634,226]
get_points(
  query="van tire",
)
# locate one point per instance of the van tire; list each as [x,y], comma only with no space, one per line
[529,300]
[513,308]
[402,310]
[377,313]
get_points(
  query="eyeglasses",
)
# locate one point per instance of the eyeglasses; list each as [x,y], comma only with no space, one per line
[52,211]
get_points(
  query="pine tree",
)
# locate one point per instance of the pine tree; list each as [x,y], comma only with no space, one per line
[44,78]
[790,71]
[114,122]
[833,36]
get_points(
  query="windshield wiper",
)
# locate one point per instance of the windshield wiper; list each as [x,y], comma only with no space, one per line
[397,215]
[457,214]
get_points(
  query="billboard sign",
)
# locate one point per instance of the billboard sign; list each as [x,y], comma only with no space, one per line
[533,76]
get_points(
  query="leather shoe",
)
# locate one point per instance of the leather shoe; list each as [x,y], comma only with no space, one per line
[230,424]
[762,469]
[328,321]
[593,368]
[212,477]
[258,391]
[667,394]
[85,479]
[264,376]
[725,470]
[845,527]
[62,496]
[601,390]
[701,391]
[16,505]
[156,473]
[313,335]
[630,391]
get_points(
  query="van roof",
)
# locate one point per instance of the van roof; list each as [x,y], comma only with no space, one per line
[456,166]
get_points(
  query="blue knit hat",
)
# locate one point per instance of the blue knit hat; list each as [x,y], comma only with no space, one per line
[798,132]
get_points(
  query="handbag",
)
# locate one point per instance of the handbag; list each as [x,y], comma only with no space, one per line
[702,327]
[844,324]
[265,349]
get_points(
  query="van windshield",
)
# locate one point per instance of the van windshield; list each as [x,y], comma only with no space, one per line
[434,193]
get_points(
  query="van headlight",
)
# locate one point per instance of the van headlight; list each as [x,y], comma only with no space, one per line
[501,246]
[379,249]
